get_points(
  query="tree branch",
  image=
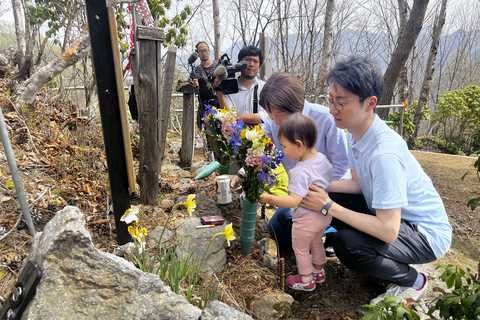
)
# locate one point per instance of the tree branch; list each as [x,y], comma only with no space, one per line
[27,91]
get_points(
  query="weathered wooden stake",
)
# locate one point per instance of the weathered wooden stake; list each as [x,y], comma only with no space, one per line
[166,94]
[148,71]
[186,152]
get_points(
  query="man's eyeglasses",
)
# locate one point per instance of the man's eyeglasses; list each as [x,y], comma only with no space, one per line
[338,106]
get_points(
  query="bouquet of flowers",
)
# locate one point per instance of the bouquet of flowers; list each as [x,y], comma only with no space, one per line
[256,151]
[217,123]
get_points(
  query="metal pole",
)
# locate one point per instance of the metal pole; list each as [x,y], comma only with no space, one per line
[16,176]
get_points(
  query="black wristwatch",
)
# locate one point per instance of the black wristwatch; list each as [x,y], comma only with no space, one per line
[326,208]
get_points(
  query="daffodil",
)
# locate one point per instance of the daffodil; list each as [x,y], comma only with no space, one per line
[138,233]
[130,215]
[228,233]
[254,134]
[190,204]
[243,133]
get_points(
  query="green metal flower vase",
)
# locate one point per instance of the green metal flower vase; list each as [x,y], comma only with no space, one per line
[224,169]
[247,226]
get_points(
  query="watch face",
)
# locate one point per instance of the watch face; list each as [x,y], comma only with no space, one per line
[324,211]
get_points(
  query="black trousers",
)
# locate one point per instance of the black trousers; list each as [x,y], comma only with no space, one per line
[364,253]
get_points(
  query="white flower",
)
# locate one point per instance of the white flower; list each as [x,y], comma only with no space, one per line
[252,135]
[130,215]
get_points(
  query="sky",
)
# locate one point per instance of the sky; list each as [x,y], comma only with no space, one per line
[201,26]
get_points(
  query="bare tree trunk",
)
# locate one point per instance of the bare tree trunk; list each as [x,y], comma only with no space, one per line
[216,28]
[21,34]
[405,43]
[429,69]
[28,89]
[403,77]
[19,17]
[327,46]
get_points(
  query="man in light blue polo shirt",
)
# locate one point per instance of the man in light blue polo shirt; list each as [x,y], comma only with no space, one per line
[404,221]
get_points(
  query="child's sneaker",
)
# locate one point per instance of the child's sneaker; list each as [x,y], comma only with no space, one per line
[319,277]
[295,282]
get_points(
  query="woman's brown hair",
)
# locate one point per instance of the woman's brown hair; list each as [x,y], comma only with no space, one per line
[284,92]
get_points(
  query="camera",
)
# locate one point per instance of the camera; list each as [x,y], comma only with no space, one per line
[227,72]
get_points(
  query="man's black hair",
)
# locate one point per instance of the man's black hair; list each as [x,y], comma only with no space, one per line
[359,75]
[250,51]
[199,43]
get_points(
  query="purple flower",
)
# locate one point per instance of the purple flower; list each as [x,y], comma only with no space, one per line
[208,110]
[265,177]
[266,161]
[278,157]
[235,140]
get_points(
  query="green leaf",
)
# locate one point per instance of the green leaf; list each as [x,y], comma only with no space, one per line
[474,203]
[9,184]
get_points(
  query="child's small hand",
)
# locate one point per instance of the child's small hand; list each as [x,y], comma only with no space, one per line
[264,197]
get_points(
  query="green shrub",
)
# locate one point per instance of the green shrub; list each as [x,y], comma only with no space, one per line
[458,113]
[438,144]
[389,309]
[393,119]
[463,302]
[474,202]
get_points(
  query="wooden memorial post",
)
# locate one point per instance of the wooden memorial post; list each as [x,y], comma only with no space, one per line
[149,41]
[166,98]
[188,120]
[110,98]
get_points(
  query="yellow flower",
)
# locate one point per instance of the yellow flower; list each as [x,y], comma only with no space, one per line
[255,133]
[228,233]
[190,204]
[243,133]
[138,233]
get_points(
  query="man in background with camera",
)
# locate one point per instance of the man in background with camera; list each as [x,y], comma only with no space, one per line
[201,75]
[206,67]
[245,101]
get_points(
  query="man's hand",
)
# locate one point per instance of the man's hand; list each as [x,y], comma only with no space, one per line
[315,199]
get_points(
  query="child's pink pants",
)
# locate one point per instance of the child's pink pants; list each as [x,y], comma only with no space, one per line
[307,232]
